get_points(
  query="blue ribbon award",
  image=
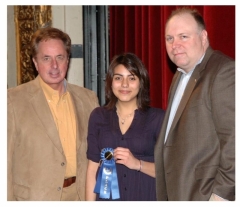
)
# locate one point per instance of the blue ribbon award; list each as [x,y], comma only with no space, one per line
[107,181]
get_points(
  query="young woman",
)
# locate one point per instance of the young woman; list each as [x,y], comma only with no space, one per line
[128,125]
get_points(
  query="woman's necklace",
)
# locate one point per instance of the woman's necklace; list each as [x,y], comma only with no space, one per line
[123,120]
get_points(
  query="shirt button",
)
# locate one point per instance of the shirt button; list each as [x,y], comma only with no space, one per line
[62,163]
[59,188]
[124,175]
[125,188]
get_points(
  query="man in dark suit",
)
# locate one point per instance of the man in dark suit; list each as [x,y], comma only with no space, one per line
[195,151]
[47,126]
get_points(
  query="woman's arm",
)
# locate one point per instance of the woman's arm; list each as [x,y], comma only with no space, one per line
[125,157]
[91,180]
[147,168]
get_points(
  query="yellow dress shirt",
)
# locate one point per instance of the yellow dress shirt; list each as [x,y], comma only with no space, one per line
[64,117]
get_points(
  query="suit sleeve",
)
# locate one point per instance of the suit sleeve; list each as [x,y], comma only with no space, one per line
[96,100]
[10,149]
[223,112]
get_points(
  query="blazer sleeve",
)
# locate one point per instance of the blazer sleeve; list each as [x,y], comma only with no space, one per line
[96,101]
[223,112]
[10,148]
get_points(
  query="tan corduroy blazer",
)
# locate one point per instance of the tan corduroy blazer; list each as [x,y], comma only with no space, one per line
[35,157]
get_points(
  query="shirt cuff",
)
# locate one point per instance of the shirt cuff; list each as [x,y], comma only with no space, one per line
[215,197]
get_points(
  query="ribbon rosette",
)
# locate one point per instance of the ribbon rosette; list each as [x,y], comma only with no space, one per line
[107,181]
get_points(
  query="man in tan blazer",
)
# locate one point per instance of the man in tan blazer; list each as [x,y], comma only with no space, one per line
[47,127]
[195,151]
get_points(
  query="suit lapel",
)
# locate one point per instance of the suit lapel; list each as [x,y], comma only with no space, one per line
[173,88]
[78,109]
[189,89]
[186,95]
[172,91]
[43,111]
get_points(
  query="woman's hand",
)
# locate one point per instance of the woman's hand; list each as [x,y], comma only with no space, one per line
[125,157]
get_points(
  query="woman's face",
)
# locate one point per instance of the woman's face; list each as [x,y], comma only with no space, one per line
[125,85]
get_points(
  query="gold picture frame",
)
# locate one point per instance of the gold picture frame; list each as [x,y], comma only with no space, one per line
[27,20]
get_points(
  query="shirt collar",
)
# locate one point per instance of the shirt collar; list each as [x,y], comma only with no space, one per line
[48,91]
[191,71]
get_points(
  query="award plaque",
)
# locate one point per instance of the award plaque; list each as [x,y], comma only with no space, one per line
[107,182]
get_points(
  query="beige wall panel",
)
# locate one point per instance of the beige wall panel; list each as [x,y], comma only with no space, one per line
[69,19]
[11,49]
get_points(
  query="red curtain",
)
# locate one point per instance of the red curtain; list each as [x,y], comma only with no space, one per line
[140,30]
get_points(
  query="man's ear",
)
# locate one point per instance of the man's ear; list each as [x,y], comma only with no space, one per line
[35,63]
[204,35]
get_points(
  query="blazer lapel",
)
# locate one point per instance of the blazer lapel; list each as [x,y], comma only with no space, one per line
[43,111]
[186,95]
[188,91]
[79,113]
[190,86]
[172,91]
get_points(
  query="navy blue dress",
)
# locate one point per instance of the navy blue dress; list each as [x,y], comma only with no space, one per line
[140,139]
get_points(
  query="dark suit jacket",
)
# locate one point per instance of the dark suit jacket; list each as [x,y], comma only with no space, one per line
[36,161]
[198,158]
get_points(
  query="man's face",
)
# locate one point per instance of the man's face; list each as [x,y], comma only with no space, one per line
[51,62]
[185,42]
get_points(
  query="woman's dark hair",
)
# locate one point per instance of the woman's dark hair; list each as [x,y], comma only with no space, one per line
[136,67]
[47,33]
